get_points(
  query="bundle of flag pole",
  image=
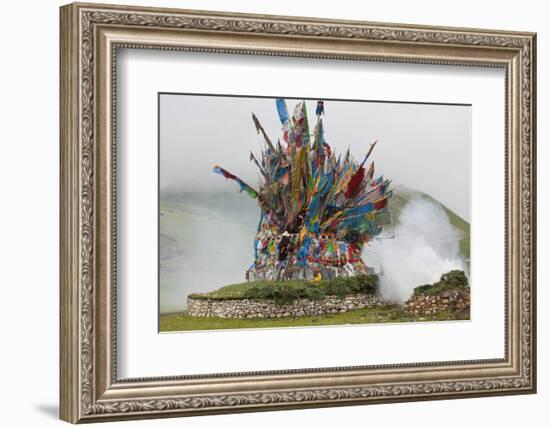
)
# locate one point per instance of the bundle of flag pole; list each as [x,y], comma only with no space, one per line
[318,209]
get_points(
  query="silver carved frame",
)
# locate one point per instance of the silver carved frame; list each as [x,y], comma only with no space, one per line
[90,36]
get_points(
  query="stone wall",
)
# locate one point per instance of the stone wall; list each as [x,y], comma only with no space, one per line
[448,300]
[252,308]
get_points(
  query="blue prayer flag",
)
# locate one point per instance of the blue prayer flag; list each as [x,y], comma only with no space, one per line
[281,109]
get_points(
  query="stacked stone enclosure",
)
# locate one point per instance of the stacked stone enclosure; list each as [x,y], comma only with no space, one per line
[264,300]
[256,308]
[448,300]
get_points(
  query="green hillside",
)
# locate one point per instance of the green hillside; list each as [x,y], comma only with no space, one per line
[401,197]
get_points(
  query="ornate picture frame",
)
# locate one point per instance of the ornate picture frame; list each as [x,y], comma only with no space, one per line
[90,37]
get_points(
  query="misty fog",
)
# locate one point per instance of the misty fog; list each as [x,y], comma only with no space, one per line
[424,246]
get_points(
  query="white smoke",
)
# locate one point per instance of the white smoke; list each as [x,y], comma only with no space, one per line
[425,246]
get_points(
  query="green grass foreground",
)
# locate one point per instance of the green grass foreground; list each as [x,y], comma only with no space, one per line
[454,279]
[382,314]
[239,290]
[285,292]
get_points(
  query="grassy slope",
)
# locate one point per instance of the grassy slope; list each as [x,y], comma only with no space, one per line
[191,262]
[237,290]
[383,314]
[402,195]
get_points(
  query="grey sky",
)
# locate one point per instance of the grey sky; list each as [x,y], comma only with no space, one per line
[424,147]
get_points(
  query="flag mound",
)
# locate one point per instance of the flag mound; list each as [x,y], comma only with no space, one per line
[318,210]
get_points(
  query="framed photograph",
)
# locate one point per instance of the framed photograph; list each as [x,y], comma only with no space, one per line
[268,212]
